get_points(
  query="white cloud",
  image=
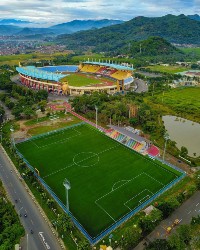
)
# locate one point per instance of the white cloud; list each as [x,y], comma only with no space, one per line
[56,11]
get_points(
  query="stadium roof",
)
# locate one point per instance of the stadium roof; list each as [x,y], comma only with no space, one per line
[110,64]
[39,73]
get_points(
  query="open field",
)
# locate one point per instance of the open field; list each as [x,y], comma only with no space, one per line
[15,59]
[182,101]
[79,80]
[108,180]
[167,69]
[192,51]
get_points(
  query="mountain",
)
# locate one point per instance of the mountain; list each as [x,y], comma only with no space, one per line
[7,30]
[34,31]
[77,25]
[175,29]
[13,22]
[20,28]
[194,17]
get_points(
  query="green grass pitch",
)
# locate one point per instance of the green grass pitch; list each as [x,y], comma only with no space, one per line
[108,180]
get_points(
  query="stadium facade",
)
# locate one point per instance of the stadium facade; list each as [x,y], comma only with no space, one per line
[113,78]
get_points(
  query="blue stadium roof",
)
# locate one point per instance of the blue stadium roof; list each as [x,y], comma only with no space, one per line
[39,73]
[111,65]
[60,68]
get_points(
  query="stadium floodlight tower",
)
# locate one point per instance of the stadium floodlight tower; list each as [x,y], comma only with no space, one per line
[166,137]
[67,186]
[96,116]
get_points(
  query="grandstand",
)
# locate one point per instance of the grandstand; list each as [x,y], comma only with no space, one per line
[130,138]
[101,77]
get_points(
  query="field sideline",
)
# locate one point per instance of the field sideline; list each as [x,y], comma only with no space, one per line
[108,180]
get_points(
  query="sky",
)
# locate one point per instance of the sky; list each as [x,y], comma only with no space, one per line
[58,11]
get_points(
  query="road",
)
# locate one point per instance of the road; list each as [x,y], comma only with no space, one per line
[141,86]
[42,237]
[184,213]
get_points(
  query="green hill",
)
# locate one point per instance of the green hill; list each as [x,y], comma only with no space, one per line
[175,29]
[153,46]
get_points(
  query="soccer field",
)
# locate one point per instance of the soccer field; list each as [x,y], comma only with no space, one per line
[108,180]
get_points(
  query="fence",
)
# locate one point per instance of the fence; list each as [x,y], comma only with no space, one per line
[114,226]
[94,240]
[53,132]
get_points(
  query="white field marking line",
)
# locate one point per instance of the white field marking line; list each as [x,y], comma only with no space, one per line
[197,204]
[118,182]
[118,187]
[96,202]
[141,201]
[105,212]
[87,166]
[71,165]
[34,144]
[135,197]
[137,206]
[154,179]
[60,141]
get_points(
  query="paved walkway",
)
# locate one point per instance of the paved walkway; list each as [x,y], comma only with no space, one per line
[184,213]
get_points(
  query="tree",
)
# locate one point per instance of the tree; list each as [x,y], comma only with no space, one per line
[184,151]
[166,208]
[131,237]
[83,245]
[64,222]
[159,244]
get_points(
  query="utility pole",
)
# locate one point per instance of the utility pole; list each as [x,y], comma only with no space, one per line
[166,136]
[96,108]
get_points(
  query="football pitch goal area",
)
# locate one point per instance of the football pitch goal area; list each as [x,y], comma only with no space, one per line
[109,182]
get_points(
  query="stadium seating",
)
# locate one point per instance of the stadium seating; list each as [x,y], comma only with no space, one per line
[120,75]
[101,70]
[129,142]
[90,68]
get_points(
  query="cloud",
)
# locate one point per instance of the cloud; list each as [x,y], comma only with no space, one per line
[57,11]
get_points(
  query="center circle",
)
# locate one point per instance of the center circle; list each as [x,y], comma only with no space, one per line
[86,159]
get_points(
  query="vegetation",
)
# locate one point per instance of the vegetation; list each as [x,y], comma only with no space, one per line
[85,151]
[167,69]
[28,58]
[117,36]
[185,237]
[183,102]
[22,101]
[11,229]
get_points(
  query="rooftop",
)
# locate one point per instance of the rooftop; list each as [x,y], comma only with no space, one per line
[110,64]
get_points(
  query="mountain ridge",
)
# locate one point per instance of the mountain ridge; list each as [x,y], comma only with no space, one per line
[175,29]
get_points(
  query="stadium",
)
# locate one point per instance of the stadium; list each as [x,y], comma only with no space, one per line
[88,77]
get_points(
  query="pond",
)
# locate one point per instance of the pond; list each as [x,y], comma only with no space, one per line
[184,132]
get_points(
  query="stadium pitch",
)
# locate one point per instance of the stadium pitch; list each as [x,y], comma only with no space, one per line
[108,180]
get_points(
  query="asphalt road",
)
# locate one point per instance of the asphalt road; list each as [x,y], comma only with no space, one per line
[189,209]
[141,86]
[42,237]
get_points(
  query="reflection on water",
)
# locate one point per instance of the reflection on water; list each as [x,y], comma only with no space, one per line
[184,132]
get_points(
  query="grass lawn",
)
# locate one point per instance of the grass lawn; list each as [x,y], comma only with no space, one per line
[192,51]
[168,69]
[15,59]
[80,80]
[108,180]
[184,101]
